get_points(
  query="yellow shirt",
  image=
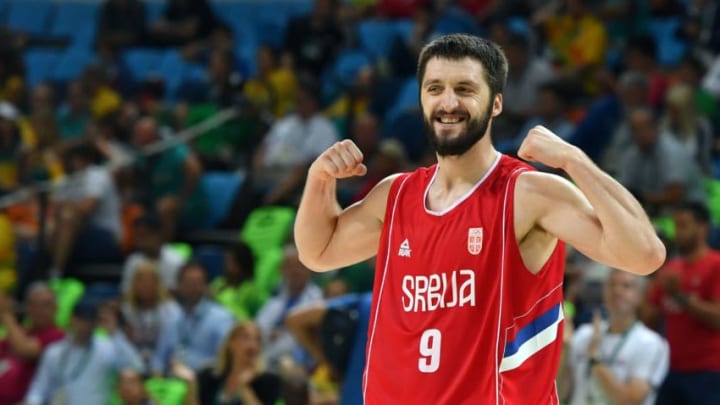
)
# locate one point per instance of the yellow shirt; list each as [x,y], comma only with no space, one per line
[577,42]
[105,101]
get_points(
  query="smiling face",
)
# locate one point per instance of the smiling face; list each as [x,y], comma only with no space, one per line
[457,104]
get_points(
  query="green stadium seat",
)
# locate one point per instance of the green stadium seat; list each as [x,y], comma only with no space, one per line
[68,292]
[267,228]
[267,270]
[183,249]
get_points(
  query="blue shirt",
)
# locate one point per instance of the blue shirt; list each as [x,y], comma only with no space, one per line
[193,338]
[351,389]
[84,373]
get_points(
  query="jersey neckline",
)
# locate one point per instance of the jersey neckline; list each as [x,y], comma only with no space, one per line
[464,197]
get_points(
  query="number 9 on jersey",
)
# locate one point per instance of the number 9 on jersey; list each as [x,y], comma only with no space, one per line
[430,342]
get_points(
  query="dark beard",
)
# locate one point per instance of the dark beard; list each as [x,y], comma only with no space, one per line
[475,131]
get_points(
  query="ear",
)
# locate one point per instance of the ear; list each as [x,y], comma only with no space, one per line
[497,105]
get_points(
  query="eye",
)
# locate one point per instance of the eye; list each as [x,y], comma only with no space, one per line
[464,90]
[434,89]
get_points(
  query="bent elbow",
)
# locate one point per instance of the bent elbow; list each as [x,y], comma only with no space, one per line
[651,259]
[313,264]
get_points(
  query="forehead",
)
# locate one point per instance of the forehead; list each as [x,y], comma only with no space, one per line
[454,70]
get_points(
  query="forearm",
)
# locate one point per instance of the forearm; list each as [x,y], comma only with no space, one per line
[626,230]
[20,342]
[613,389]
[246,393]
[317,218]
[705,312]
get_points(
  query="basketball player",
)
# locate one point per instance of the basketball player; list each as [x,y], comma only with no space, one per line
[467,304]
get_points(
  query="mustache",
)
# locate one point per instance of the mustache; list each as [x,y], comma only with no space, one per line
[457,112]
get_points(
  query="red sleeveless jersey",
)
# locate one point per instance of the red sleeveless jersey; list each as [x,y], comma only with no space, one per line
[457,318]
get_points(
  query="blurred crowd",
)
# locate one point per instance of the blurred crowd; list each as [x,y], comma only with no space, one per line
[206,301]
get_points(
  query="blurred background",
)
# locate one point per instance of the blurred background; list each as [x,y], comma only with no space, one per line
[152,155]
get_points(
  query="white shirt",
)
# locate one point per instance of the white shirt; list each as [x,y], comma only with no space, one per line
[168,265]
[642,354]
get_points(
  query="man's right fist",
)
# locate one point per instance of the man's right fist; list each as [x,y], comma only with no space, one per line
[339,161]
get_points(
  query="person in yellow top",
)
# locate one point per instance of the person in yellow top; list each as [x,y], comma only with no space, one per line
[103,99]
[273,88]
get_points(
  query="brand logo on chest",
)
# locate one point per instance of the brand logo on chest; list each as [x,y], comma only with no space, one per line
[475,240]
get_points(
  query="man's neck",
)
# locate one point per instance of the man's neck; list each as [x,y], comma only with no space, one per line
[468,168]
[621,323]
[191,305]
[81,341]
[697,253]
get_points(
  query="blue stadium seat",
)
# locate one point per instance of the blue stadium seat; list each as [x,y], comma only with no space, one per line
[154,10]
[232,13]
[72,63]
[407,127]
[347,64]
[221,189]
[77,21]
[670,49]
[176,71]
[31,16]
[376,37]
[212,257]
[407,99]
[456,20]
[39,64]
[143,61]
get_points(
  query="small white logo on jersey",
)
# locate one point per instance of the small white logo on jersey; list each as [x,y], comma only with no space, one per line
[404,249]
[475,240]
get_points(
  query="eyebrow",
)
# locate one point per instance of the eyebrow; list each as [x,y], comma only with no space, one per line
[460,83]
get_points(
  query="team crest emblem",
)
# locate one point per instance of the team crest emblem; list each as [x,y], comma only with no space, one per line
[475,240]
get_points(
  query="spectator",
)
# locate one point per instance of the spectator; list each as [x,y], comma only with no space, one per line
[103,99]
[235,289]
[291,145]
[643,167]
[238,377]
[22,347]
[183,21]
[314,40]
[196,334]
[172,179]
[12,145]
[132,390]
[73,116]
[348,353]
[690,71]
[146,309]
[121,24]
[619,360]
[88,224]
[686,295]
[683,121]
[275,86]
[642,57]
[295,291]
[150,244]
[79,369]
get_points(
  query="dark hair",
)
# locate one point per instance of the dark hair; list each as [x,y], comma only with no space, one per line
[243,256]
[694,62]
[192,264]
[459,46]
[645,44]
[699,210]
[149,221]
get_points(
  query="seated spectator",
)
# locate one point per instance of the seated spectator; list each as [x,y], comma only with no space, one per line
[690,71]
[121,24]
[314,40]
[79,369]
[641,56]
[273,88]
[182,22]
[304,323]
[103,99]
[194,337]
[12,146]
[22,347]
[73,116]
[146,309]
[238,377]
[171,180]
[291,145]
[618,360]
[235,288]
[296,291]
[644,170]
[150,244]
[87,207]
[693,130]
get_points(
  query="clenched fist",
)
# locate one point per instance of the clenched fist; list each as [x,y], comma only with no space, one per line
[339,161]
[543,146]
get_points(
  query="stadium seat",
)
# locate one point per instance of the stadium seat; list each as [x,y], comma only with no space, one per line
[30,16]
[183,249]
[71,64]
[712,188]
[102,292]
[455,20]
[347,64]
[407,99]
[143,61]
[670,48]
[75,20]
[212,257]
[175,71]
[166,391]
[154,10]
[40,64]
[267,227]
[68,292]
[407,127]
[376,37]
[267,270]
[221,189]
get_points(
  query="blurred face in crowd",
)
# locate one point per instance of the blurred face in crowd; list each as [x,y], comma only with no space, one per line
[77,99]
[192,285]
[146,284]
[689,232]
[265,60]
[41,307]
[366,133]
[82,328]
[147,240]
[245,343]
[131,388]
[622,293]
[306,104]
[550,106]
[220,65]
[233,270]
[294,272]
[517,57]
[457,104]
[42,100]
[145,132]
[644,129]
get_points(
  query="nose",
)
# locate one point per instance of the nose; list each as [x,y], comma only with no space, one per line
[448,101]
